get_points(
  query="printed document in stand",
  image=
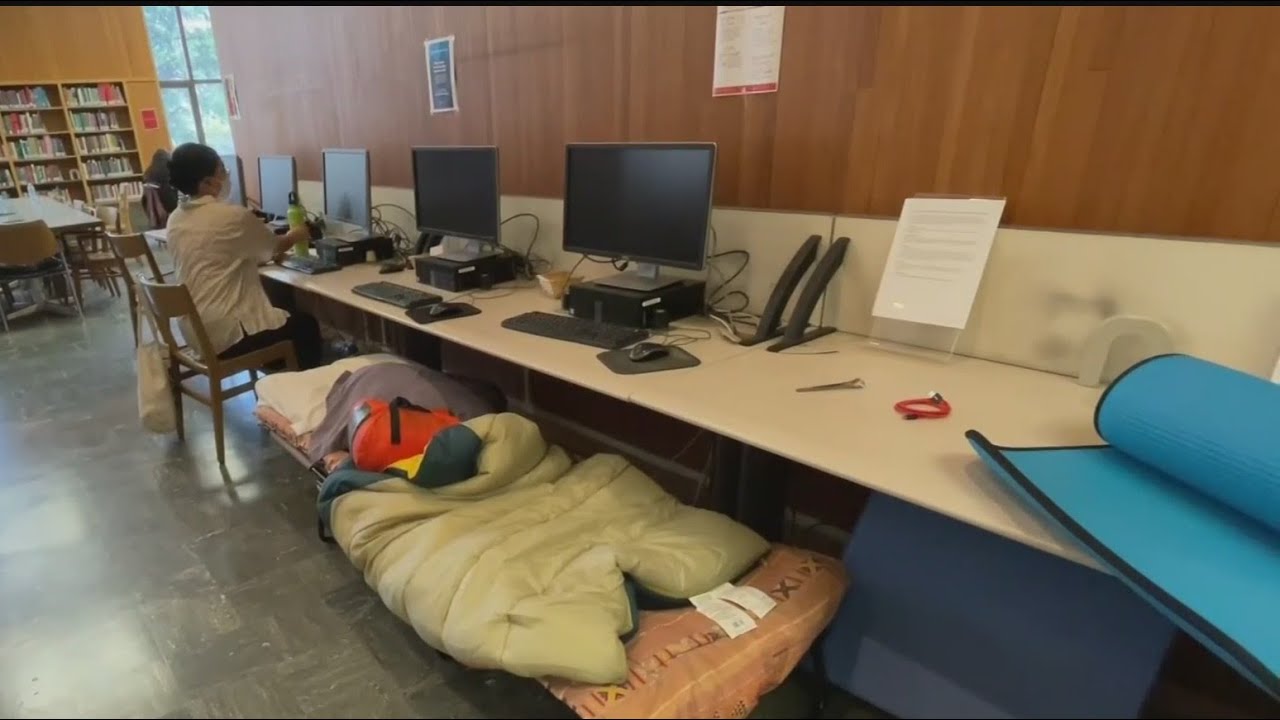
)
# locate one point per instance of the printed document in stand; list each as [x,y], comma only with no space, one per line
[939,252]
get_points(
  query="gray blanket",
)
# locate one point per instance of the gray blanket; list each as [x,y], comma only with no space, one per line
[421,386]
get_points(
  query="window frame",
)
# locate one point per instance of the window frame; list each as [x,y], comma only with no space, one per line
[191,82]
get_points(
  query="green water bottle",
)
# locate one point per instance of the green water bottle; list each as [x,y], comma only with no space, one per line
[297,217]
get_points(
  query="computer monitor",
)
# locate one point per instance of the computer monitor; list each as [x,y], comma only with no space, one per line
[347,187]
[235,169]
[455,194]
[277,178]
[648,203]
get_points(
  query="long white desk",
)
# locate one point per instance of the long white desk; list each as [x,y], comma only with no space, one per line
[58,216]
[568,361]
[748,394]
[856,435]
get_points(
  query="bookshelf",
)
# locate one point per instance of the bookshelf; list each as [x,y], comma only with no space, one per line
[73,141]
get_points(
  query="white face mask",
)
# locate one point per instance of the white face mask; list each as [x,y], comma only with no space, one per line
[224,193]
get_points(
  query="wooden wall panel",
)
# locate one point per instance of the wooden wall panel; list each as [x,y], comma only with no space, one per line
[64,43]
[1122,119]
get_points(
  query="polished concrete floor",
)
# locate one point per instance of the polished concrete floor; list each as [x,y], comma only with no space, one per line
[139,580]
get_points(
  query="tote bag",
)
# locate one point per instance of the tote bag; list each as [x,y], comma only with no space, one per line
[155,399]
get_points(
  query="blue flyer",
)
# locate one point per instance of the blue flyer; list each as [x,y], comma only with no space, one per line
[444,95]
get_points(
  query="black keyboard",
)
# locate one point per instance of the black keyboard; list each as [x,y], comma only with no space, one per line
[576,330]
[309,265]
[398,295]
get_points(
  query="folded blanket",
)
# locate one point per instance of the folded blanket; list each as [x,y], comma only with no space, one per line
[520,563]
[299,396]
[421,386]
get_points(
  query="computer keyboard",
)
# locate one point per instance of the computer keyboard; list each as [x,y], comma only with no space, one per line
[398,295]
[309,265]
[576,330]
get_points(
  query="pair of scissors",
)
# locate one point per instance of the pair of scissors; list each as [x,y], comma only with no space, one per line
[854,384]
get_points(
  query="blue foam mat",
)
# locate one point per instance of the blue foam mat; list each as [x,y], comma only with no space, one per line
[1211,570]
[1183,505]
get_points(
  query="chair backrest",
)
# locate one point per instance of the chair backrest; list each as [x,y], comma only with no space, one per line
[154,205]
[109,216]
[26,243]
[125,205]
[173,302]
[134,247]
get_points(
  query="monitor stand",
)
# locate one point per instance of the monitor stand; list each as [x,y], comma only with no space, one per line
[643,277]
[463,250]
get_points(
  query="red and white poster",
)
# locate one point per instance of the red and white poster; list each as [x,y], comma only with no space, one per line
[150,120]
[748,49]
[233,97]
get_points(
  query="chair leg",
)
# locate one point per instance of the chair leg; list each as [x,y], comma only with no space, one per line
[133,312]
[253,376]
[176,386]
[215,405]
[73,285]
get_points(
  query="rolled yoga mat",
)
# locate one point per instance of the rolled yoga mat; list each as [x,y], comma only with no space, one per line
[1183,504]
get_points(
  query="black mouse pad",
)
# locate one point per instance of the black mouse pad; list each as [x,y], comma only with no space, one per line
[420,316]
[617,361]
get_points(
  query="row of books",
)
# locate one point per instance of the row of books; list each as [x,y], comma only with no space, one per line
[21,123]
[27,97]
[109,192]
[62,195]
[44,173]
[46,146]
[101,120]
[94,94]
[106,142]
[104,167]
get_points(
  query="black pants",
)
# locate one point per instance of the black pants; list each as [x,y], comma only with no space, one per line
[300,329]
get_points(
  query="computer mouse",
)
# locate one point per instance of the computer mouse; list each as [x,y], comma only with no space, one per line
[646,351]
[433,312]
[386,267]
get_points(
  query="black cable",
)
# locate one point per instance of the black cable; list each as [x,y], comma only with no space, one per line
[537,227]
[714,295]
[401,208]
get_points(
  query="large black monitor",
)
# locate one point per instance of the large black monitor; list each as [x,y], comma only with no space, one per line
[235,169]
[455,191]
[347,192]
[277,178]
[649,203]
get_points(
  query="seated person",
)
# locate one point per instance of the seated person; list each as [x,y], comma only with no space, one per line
[160,199]
[217,248]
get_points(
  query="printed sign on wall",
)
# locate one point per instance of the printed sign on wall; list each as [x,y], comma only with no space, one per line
[443,83]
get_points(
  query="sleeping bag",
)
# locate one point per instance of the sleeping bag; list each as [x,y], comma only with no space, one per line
[501,552]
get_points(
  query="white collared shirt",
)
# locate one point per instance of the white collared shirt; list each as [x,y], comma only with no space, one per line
[216,249]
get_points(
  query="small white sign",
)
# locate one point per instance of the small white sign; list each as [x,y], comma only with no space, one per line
[748,49]
[939,252]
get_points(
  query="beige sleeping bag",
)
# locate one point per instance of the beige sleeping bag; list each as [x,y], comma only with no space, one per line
[520,566]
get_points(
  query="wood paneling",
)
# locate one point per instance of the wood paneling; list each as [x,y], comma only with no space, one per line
[1123,119]
[64,43]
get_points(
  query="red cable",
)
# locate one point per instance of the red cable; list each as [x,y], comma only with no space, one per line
[926,408]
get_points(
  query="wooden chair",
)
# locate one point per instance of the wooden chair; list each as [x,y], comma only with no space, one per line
[134,248]
[173,302]
[30,251]
[91,259]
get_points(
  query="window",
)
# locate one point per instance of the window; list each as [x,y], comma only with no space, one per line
[195,101]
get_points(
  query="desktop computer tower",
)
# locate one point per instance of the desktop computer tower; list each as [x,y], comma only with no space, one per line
[455,276]
[635,308]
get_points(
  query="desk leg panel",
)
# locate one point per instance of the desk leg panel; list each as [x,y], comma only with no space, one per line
[762,492]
